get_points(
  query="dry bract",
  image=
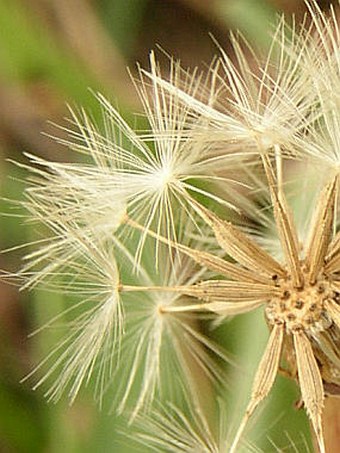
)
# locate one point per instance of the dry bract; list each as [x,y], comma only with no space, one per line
[302,312]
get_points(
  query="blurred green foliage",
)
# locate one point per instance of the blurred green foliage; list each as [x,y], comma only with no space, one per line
[29,52]
[123,19]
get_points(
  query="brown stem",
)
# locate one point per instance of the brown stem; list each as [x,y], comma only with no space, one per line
[331,423]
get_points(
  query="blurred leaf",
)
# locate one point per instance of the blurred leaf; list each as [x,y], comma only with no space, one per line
[29,52]
[12,231]
[23,422]
[254,18]
[123,19]
[23,426]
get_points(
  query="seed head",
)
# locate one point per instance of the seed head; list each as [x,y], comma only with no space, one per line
[202,214]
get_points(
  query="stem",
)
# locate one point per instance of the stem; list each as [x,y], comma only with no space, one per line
[279,175]
[331,423]
[183,308]
[165,308]
[129,288]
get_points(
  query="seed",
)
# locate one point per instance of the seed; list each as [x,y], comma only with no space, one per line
[321,289]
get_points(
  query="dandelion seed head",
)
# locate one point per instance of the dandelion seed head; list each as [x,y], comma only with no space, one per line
[164,177]
[145,201]
[265,138]
[301,309]
[153,343]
